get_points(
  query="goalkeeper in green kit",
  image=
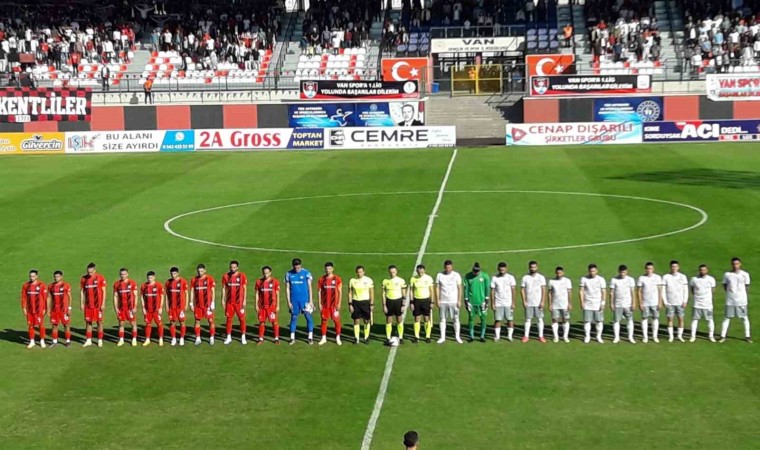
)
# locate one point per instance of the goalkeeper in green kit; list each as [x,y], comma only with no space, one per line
[477,289]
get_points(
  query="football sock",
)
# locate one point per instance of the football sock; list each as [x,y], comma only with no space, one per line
[100,333]
[497,332]
[243,327]
[87,334]
[630,329]
[555,330]
[121,334]
[134,333]
[277,331]
[527,329]
[471,327]
[711,327]
[366,331]
[324,328]
[400,330]
[746,328]
[357,331]
[148,330]
[599,329]
[212,331]
[309,322]
[173,331]
[197,331]
[417,330]
[262,330]
[724,328]
[228,326]
[645,328]
[566,329]
[482,329]
[428,329]
[293,322]
[510,332]
[616,329]
[587,329]
[457,327]
[311,335]
[680,333]
[160,331]
[337,324]
[42,332]
[55,334]
[670,333]
[31,333]
[540,328]
[68,335]
[292,336]
[694,324]
[655,328]
[388,330]
[442,328]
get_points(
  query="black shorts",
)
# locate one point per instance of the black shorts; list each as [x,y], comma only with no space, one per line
[421,307]
[362,310]
[394,307]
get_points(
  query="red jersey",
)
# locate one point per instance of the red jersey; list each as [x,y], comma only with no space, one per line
[34,297]
[268,292]
[152,294]
[93,290]
[125,294]
[329,289]
[61,294]
[202,287]
[176,291]
[234,284]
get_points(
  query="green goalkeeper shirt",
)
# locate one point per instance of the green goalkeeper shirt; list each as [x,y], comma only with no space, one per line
[477,287]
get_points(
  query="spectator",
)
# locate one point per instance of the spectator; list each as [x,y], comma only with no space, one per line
[567,34]
[105,77]
[148,89]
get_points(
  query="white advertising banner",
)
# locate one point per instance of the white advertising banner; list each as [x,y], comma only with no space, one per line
[259,139]
[733,87]
[129,141]
[586,133]
[476,44]
[386,137]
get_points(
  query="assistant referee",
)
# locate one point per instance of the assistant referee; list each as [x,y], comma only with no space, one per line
[361,295]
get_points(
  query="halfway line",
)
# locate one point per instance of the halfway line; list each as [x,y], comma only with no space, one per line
[372,424]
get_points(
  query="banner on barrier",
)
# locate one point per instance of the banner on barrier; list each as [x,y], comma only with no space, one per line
[545,65]
[258,139]
[369,90]
[332,115]
[130,141]
[628,109]
[404,68]
[419,137]
[590,85]
[477,44]
[730,87]
[702,131]
[27,104]
[45,143]
[588,133]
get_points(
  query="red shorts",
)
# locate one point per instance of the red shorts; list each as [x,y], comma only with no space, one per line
[176,315]
[268,315]
[202,313]
[152,317]
[234,310]
[93,315]
[330,314]
[34,320]
[126,315]
[59,317]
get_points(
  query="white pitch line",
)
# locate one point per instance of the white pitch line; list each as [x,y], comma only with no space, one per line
[372,424]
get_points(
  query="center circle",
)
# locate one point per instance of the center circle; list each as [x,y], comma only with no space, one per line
[470,219]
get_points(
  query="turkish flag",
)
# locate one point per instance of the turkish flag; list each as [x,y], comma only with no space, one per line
[545,65]
[404,69]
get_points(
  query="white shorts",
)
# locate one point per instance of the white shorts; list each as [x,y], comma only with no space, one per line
[504,313]
[449,311]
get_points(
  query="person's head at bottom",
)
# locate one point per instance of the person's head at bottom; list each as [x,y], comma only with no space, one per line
[411,440]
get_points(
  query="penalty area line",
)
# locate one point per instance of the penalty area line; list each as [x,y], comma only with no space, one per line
[372,423]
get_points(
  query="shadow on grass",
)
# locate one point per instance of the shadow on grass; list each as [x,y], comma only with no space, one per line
[732,179]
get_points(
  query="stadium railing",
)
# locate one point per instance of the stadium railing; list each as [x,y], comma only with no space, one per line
[476,31]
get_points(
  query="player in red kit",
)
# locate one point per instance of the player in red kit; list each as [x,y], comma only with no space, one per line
[329,287]
[59,305]
[92,292]
[125,304]
[203,291]
[234,293]
[268,303]
[34,306]
[177,299]
[152,297]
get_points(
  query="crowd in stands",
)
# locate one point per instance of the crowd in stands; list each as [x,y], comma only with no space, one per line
[721,42]
[331,25]
[623,31]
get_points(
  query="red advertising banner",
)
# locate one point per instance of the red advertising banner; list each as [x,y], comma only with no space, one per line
[359,90]
[26,104]
[590,85]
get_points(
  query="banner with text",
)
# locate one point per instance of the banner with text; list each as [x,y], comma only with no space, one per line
[130,141]
[368,90]
[628,109]
[477,45]
[590,85]
[259,139]
[418,137]
[702,131]
[333,115]
[26,104]
[45,143]
[586,133]
[730,87]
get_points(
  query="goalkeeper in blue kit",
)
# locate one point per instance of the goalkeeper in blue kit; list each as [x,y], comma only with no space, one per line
[477,289]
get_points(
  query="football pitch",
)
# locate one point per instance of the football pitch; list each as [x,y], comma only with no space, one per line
[560,206]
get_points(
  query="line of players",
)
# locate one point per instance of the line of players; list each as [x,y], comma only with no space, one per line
[478,291]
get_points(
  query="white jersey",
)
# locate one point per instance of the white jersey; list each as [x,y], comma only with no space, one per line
[702,287]
[650,289]
[449,287]
[676,290]
[736,288]
[502,286]
[592,292]
[560,295]
[534,285]
[621,291]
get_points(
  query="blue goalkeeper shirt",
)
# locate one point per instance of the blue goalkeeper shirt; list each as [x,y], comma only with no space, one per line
[299,286]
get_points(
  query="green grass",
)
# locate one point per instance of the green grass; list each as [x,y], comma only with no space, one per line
[63,212]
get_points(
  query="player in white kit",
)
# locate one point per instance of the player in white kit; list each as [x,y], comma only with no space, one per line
[675,296]
[650,300]
[623,302]
[560,293]
[593,292]
[702,289]
[503,301]
[736,283]
[533,291]
[449,299]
